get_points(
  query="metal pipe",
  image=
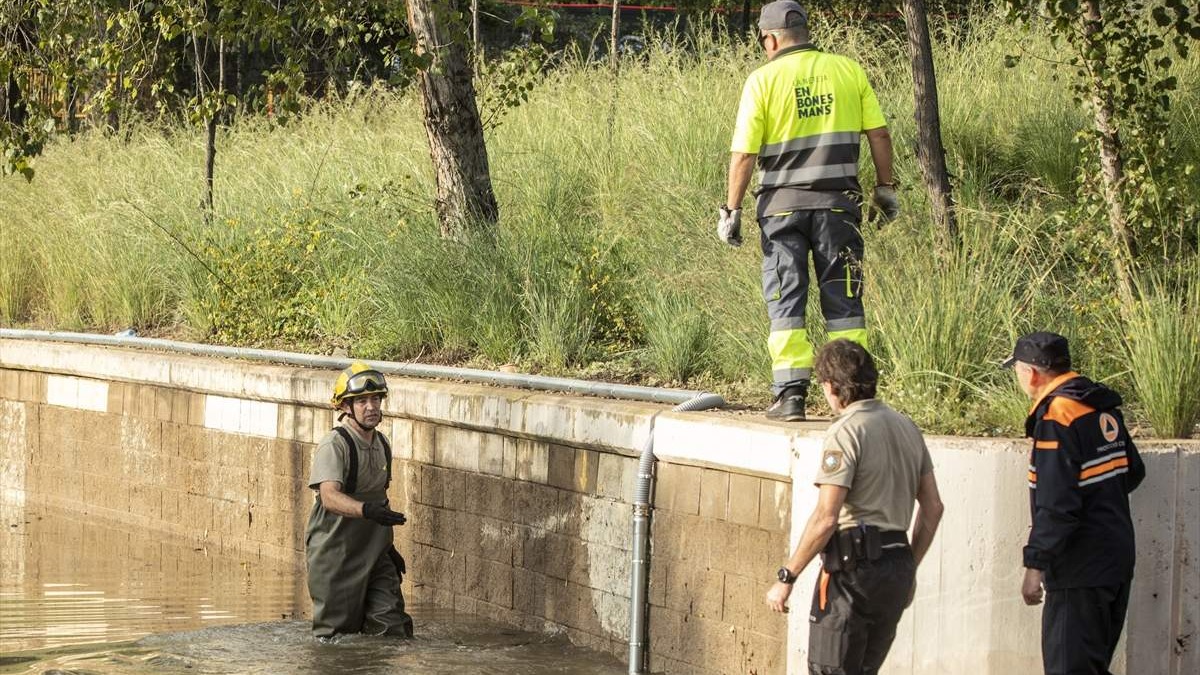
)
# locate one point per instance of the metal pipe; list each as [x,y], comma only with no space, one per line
[639,578]
[492,377]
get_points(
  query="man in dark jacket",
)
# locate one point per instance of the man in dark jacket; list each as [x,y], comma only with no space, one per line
[1082,467]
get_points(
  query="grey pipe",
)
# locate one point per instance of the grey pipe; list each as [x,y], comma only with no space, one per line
[639,578]
[518,380]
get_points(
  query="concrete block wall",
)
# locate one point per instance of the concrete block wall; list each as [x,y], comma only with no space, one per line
[518,503]
[518,506]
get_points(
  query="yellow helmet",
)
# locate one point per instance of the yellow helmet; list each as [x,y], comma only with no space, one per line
[358,380]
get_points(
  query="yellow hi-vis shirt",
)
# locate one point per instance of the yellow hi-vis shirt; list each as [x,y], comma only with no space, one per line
[802,113]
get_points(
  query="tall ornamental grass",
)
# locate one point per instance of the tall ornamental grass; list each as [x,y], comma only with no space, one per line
[941,318]
[1163,347]
[606,260]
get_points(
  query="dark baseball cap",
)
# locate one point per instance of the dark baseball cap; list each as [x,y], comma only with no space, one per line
[782,14]
[1044,349]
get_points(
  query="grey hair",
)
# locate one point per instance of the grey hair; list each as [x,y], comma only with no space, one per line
[793,35]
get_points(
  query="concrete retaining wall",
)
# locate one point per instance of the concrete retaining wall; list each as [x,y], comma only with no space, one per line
[518,506]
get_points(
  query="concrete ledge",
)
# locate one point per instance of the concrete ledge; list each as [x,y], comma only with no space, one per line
[754,446]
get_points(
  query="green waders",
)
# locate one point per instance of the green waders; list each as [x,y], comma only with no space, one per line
[353,570]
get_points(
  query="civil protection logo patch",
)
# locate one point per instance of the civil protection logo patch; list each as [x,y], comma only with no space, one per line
[1109,427]
[831,461]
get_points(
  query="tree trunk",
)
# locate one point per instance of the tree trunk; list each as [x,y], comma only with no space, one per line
[210,159]
[613,57]
[475,28]
[14,106]
[465,200]
[745,17]
[1112,168]
[930,153]
[210,132]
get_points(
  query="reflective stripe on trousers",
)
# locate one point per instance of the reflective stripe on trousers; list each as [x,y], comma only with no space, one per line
[835,242]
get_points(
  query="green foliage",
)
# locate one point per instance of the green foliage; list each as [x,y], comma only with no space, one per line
[608,200]
[506,82]
[17,279]
[1163,347]
[1122,58]
[678,335]
[259,284]
[939,332]
[113,58]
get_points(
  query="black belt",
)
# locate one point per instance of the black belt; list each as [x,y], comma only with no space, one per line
[893,539]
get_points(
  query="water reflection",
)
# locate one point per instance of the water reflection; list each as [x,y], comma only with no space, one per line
[81,596]
[69,578]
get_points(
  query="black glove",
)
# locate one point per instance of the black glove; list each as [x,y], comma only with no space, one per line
[886,201]
[380,513]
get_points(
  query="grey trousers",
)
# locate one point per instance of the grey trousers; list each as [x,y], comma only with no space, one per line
[833,239]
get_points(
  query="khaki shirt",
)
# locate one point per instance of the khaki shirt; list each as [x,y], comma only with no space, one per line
[880,455]
[331,462]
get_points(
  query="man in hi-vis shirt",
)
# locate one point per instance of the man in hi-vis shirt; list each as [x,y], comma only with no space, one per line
[801,117]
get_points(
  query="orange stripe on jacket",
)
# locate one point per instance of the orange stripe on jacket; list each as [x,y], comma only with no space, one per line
[1093,471]
[1065,411]
[1046,445]
[1032,477]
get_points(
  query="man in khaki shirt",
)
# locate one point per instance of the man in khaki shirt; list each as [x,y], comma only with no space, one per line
[354,570]
[874,464]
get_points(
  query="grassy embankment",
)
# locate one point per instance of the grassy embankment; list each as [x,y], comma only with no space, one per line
[606,264]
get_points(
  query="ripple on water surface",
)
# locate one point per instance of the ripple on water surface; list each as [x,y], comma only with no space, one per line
[80,596]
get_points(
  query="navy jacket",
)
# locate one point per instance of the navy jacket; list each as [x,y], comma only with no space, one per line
[1081,470]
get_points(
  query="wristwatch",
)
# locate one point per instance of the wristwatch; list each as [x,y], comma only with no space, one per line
[785,575]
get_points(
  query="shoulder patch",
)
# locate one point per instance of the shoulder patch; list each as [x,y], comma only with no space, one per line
[1065,411]
[831,461]
[1109,427]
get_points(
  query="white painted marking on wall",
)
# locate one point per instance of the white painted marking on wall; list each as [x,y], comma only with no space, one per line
[607,573]
[765,451]
[12,455]
[75,392]
[239,416]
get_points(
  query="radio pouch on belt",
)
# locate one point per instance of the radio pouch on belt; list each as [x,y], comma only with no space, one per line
[858,542]
[831,558]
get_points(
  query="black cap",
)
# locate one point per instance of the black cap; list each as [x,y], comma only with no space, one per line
[1043,349]
[782,14]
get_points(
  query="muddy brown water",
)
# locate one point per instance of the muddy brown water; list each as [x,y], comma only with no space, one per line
[81,596]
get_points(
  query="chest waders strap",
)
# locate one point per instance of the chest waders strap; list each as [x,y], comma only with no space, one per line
[350,485]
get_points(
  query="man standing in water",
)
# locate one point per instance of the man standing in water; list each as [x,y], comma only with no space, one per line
[354,571]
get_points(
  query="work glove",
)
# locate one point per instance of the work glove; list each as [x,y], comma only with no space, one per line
[729,226]
[380,513]
[885,200]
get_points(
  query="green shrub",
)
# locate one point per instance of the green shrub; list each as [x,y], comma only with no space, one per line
[19,276]
[260,284]
[941,317]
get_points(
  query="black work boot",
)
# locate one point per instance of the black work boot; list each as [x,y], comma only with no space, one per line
[789,405]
